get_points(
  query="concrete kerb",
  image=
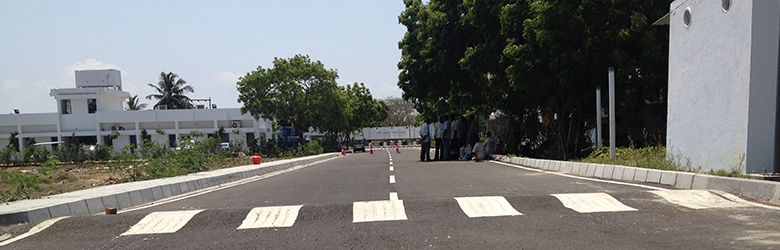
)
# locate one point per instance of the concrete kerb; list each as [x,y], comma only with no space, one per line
[684,180]
[628,173]
[608,169]
[640,174]
[654,175]
[126,195]
[668,177]
[599,170]
[617,172]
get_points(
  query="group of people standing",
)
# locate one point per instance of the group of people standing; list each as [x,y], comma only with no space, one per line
[450,137]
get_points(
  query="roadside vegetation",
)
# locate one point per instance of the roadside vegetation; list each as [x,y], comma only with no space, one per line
[35,172]
[654,157]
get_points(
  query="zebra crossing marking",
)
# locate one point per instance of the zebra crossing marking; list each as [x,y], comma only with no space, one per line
[486,206]
[276,216]
[696,199]
[393,196]
[592,203]
[368,211]
[162,222]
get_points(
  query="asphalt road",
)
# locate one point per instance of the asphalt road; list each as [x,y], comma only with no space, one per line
[330,196]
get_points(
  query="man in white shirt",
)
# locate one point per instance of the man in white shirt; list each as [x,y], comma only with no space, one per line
[425,138]
[438,131]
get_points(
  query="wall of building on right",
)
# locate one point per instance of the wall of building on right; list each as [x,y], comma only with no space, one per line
[723,84]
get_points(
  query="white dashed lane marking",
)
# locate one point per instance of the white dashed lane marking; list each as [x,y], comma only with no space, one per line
[486,206]
[392,179]
[391,169]
[592,203]
[279,216]
[696,199]
[367,211]
[393,196]
[162,222]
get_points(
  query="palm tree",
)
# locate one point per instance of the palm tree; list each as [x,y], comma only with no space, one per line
[170,92]
[134,104]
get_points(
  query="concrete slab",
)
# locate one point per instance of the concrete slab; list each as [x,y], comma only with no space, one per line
[684,180]
[135,197]
[700,181]
[38,215]
[583,168]
[59,210]
[124,200]
[190,186]
[776,194]
[157,193]
[109,201]
[628,174]
[617,172]
[175,189]
[654,176]
[147,195]
[78,208]
[591,170]
[95,205]
[166,190]
[761,189]
[668,177]
[640,175]
[608,169]
[599,170]
[565,166]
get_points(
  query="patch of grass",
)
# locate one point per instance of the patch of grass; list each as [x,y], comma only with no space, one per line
[650,157]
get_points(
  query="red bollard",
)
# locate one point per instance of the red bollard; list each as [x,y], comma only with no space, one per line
[372,148]
[256,159]
[397,150]
[342,150]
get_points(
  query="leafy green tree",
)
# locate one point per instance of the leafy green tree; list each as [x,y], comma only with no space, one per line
[399,112]
[134,104]
[361,105]
[171,92]
[13,142]
[298,90]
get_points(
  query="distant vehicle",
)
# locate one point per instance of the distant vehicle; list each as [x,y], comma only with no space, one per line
[225,146]
[357,145]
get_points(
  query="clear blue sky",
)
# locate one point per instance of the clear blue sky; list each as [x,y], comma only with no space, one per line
[207,43]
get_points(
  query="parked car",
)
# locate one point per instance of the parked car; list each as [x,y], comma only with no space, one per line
[357,145]
[225,146]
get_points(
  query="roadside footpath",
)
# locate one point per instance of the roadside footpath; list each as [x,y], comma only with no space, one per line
[758,189]
[127,195]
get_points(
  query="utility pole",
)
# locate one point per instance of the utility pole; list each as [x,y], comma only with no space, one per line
[598,116]
[611,112]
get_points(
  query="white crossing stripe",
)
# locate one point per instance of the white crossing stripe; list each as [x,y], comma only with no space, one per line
[367,211]
[592,203]
[392,179]
[392,169]
[278,216]
[696,199]
[393,196]
[162,222]
[486,206]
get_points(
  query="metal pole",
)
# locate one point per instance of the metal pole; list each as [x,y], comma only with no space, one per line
[598,116]
[611,112]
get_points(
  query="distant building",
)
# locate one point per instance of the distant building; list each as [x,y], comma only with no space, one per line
[95,108]
[723,84]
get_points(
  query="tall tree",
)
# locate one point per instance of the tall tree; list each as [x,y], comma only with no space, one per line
[400,112]
[298,90]
[134,104]
[171,92]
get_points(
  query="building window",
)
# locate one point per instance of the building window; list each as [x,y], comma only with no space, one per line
[65,106]
[91,106]
[107,140]
[54,145]
[172,141]
[133,140]
[250,136]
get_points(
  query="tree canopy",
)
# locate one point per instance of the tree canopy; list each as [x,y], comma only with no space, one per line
[532,58]
[171,92]
[134,104]
[305,94]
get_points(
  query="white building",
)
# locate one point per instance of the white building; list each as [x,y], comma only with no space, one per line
[95,108]
[723,83]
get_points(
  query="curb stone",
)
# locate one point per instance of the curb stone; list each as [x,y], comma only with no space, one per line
[126,195]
